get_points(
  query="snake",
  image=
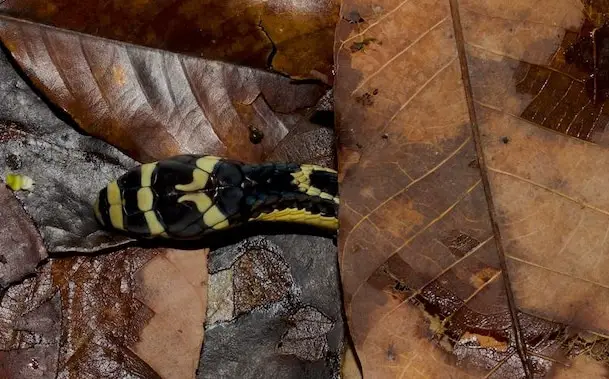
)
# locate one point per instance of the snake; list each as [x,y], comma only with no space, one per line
[191,195]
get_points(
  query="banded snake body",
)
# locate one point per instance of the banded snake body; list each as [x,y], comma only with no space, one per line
[189,196]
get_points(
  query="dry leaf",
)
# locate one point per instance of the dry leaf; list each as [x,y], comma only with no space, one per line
[154,104]
[174,287]
[471,196]
[349,365]
[290,37]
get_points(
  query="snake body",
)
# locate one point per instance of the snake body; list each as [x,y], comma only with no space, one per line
[188,196]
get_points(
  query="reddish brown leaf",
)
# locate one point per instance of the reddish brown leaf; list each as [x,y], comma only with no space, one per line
[467,224]
[155,104]
[293,37]
[109,316]
[21,247]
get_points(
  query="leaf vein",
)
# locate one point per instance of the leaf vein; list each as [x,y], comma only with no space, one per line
[399,54]
[551,190]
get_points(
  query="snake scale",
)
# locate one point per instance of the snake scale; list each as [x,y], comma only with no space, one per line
[188,196]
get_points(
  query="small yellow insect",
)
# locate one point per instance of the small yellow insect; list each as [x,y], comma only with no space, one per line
[18,182]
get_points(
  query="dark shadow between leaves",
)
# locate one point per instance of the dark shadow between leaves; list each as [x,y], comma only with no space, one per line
[231,236]
[56,110]
[212,241]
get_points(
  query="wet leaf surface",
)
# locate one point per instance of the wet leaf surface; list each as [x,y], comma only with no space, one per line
[154,104]
[452,125]
[293,327]
[30,328]
[290,37]
[68,169]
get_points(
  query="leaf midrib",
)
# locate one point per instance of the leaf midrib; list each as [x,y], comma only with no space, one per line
[467,86]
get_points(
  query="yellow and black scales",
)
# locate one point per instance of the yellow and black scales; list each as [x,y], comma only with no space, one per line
[187,196]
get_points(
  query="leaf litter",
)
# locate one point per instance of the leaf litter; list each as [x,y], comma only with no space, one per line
[121,312]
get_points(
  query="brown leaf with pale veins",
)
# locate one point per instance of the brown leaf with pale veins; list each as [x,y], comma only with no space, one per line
[473,212]
[153,104]
[128,313]
[294,37]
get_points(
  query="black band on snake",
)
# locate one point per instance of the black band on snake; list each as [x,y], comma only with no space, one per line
[188,196]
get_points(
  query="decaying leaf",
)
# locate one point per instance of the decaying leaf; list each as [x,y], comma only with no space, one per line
[307,339]
[294,37]
[471,196]
[154,104]
[30,328]
[278,315]
[174,286]
[107,316]
[21,247]
[260,277]
[312,140]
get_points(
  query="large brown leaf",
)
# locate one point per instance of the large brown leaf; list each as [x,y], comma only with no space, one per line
[293,37]
[473,214]
[153,104]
